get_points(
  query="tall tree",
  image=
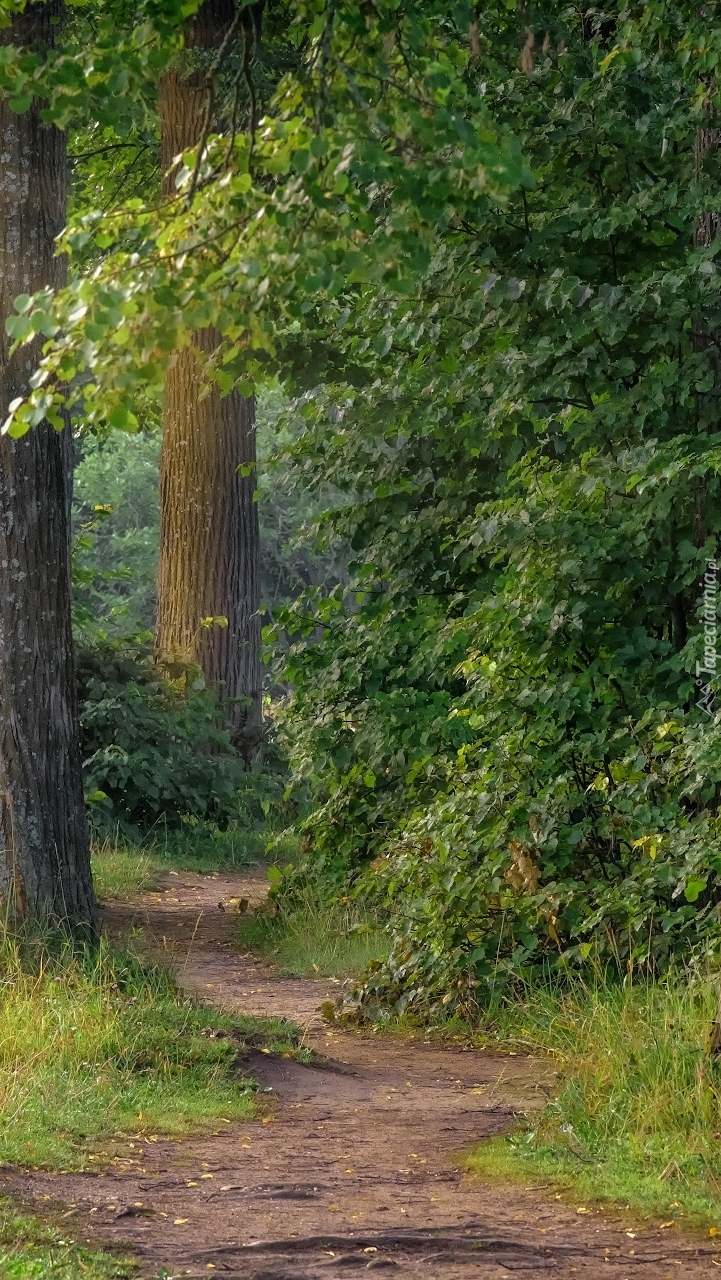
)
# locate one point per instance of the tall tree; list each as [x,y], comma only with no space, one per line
[44,848]
[209,564]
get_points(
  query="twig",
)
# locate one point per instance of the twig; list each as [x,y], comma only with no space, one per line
[192,940]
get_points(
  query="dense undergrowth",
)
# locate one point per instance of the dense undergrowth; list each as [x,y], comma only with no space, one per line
[158,762]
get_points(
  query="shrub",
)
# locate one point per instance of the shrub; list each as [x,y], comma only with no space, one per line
[154,748]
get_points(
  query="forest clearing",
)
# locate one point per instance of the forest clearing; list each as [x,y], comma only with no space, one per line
[360,751]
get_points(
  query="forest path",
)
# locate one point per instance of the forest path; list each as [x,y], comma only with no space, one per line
[359,1168]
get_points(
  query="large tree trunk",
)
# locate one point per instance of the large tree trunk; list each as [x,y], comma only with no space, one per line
[209,536]
[44,849]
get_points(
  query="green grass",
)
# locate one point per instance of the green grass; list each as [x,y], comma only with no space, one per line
[122,869]
[314,938]
[31,1250]
[637,1116]
[98,1049]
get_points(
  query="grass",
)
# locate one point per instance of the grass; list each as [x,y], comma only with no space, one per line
[98,1049]
[312,937]
[637,1117]
[122,869]
[31,1250]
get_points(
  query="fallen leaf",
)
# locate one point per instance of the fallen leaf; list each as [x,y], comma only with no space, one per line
[178,1222]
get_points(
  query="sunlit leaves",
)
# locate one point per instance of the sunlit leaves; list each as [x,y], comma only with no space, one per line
[353,197]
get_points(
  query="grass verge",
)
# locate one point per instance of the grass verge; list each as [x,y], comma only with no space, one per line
[637,1116]
[309,937]
[98,1048]
[122,869]
[31,1250]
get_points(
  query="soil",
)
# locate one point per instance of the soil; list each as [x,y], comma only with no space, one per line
[357,1167]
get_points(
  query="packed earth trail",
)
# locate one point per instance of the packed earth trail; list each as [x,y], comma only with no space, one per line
[357,1167]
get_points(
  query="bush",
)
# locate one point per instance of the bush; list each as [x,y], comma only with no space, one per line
[562,861]
[154,749]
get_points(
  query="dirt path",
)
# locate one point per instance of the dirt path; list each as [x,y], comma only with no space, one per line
[356,1172]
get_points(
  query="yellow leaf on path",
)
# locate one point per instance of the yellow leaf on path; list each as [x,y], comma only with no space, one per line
[178,1222]
[206,1175]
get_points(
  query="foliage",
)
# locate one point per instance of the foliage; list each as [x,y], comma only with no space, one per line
[99,1048]
[154,748]
[115,519]
[481,255]
[290,560]
[300,206]
[636,1112]
[501,711]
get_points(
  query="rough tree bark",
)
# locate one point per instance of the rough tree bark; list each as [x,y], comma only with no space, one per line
[44,849]
[209,536]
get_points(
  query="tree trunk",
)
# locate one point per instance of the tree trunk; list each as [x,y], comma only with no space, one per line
[209,535]
[44,848]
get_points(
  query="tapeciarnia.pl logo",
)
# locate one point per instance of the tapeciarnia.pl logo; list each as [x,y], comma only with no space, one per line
[710,657]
